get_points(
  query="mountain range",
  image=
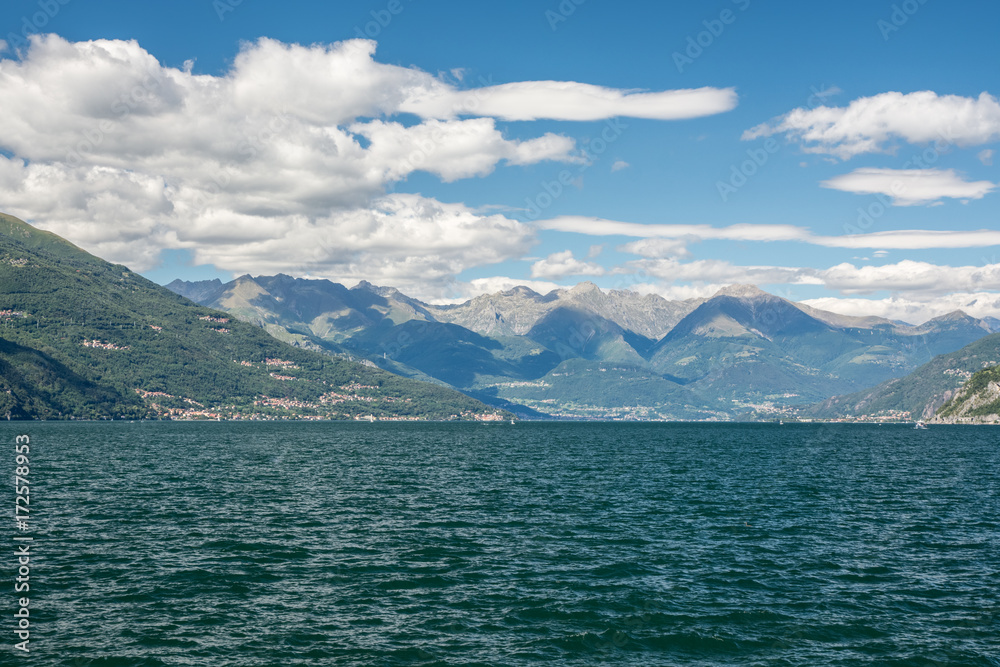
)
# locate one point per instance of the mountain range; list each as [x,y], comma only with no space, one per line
[584,352]
[84,338]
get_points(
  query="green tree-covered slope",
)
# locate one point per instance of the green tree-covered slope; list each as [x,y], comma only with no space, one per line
[85,338]
[919,394]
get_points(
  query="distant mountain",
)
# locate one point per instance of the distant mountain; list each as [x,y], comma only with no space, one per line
[744,342]
[921,393]
[976,401]
[516,311]
[743,352]
[83,338]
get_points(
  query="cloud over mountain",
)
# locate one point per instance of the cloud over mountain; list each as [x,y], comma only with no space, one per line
[286,161]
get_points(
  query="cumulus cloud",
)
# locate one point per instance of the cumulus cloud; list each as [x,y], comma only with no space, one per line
[561,264]
[404,240]
[870,124]
[452,149]
[900,239]
[282,163]
[909,187]
[618,165]
[986,156]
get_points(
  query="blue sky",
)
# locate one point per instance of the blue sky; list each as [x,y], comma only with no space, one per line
[838,153]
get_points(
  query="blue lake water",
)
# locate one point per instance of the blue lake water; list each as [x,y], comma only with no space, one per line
[467,544]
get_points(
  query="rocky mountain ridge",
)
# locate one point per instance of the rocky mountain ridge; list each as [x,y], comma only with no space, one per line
[741,352]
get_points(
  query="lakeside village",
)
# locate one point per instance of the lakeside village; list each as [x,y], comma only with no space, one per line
[353,395]
[265,408]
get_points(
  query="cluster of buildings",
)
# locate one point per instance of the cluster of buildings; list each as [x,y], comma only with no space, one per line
[102,345]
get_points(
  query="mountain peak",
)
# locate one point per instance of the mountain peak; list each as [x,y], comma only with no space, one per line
[741,291]
[952,316]
[584,288]
[520,290]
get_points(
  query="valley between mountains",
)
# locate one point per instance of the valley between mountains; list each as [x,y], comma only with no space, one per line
[587,353]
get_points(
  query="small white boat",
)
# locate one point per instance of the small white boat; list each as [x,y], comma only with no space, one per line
[920,426]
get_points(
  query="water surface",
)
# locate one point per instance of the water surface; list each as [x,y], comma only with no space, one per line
[230,544]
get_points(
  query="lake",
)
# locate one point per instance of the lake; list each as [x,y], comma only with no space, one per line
[494,544]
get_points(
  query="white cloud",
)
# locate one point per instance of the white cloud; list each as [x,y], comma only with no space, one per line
[909,276]
[565,100]
[902,239]
[678,292]
[919,290]
[717,272]
[912,239]
[283,162]
[742,232]
[452,149]
[912,309]
[656,248]
[404,240]
[494,284]
[869,124]
[561,264]
[909,187]
[986,156]
[618,165]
